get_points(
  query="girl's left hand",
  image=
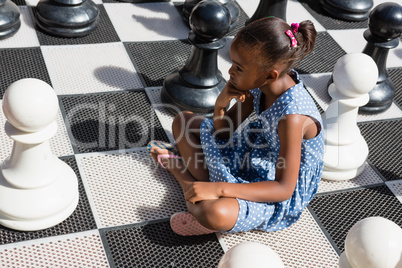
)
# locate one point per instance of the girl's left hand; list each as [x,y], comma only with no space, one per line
[199,191]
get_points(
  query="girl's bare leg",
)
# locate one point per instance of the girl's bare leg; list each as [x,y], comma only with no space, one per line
[186,131]
[218,214]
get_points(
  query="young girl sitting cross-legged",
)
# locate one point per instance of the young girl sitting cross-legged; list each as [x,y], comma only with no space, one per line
[262,175]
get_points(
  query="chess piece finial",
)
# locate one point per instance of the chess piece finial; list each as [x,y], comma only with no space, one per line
[373,242]
[37,190]
[385,21]
[67,18]
[209,20]
[385,27]
[196,85]
[231,6]
[30,105]
[9,19]
[250,254]
[346,151]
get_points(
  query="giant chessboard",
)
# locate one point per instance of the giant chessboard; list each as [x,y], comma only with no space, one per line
[108,85]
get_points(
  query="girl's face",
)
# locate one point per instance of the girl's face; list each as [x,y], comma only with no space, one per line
[245,72]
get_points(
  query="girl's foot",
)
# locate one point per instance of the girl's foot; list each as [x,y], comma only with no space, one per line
[184,223]
[164,154]
[160,158]
[162,145]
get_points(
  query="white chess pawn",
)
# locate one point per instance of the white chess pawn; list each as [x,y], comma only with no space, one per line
[250,254]
[346,151]
[371,243]
[37,190]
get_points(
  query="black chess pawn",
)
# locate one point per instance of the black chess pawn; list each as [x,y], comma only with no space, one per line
[385,27]
[9,19]
[266,8]
[196,85]
[231,5]
[67,18]
[349,10]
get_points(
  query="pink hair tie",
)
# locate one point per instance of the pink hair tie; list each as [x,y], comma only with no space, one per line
[295,27]
[292,38]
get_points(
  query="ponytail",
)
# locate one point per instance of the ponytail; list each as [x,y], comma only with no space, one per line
[306,36]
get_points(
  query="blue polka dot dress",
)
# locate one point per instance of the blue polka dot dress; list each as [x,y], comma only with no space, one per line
[252,153]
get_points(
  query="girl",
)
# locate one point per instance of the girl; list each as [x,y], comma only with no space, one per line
[259,176]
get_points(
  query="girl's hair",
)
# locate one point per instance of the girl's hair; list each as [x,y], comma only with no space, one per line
[268,38]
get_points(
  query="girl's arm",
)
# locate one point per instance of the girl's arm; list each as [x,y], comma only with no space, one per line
[227,121]
[290,131]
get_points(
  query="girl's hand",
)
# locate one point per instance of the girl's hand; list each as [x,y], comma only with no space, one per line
[230,92]
[199,191]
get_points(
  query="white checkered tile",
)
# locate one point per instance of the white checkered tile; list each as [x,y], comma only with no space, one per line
[75,250]
[90,68]
[128,187]
[147,21]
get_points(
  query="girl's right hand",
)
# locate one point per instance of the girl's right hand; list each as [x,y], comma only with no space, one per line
[228,93]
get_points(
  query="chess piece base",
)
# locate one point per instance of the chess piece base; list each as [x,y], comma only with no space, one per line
[266,8]
[345,162]
[348,10]
[67,20]
[39,208]
[9,19]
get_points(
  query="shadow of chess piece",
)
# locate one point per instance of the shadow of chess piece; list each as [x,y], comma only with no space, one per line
[196,85]
[346,151]
[9,19]
[231,5]
[385,27]
[266,8]
[67,18]
[349,10]
[37,189]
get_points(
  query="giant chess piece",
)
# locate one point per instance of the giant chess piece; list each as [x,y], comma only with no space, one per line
[9,19]
[349,10]
[67,18]
[250,254]
[385,27]
[196,85]
[231,5]
[373,242]
[346,151]
[37,190]
[266,8]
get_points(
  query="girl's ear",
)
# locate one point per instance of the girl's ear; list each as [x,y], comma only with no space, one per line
[272,76]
